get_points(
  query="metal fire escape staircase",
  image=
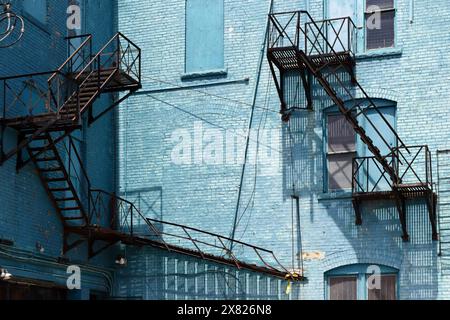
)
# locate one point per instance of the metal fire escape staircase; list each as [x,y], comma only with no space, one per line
[325,51]
[44,110]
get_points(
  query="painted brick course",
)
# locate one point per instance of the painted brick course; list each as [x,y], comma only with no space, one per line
[132,148]
[205,196]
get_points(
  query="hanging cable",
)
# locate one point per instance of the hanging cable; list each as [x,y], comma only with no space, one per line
[261,126]
[192,90]
[12,26]
[207,121]
[250,124]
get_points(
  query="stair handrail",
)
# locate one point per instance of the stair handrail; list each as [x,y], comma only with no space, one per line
[60,71]
[273,18]
[84,43]
[100,52]
[358,84]
[220,240]
[134,209]
[73,147]
[70,46]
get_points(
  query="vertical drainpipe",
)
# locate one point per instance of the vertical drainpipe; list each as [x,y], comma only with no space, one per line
[250,125]
[411,11]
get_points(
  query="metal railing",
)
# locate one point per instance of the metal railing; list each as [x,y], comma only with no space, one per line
[297,29]
[79,54]
[369,176]
[339,36]
[320,45]
[76,171]
[119,53]
[126,218]
[413,168]
[32,94]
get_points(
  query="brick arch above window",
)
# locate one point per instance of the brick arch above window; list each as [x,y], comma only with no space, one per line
[383,256]
[377,94]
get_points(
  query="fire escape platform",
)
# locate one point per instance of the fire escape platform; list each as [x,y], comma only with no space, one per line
[407,191]
[116,81]
[120,80]
[111,236]
[31,123]
[46,108]
[287,58]
[325,51]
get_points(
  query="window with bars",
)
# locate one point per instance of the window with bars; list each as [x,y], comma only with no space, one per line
[341,150]
[380,24]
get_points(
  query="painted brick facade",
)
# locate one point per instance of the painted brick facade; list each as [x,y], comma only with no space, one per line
[131,152]
[414,76]
[28,217]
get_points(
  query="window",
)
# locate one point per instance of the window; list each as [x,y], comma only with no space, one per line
[343,288]
[343,145]
[380,24]
[37,9]
[387,291]
[352,283]
[339,9]
[204,35]
[341,150]
[370,176]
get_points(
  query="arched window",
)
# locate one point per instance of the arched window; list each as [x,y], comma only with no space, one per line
[362,282]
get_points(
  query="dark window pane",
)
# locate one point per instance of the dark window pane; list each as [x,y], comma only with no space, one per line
[388,289]
[343,288]
[341,136]
[340,171]
[382,4]
[382,37]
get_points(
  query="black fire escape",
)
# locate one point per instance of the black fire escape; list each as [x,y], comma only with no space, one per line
[44,110]
[301,50]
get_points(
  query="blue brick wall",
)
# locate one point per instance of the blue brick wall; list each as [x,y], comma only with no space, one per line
[205,196]
[27,215]
[134,146]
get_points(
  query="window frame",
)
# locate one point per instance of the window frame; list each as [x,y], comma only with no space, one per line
[208,72]
[364,15]
[333,112]
[382,104]
[326,14]
[329,278]
[387,274]
[360,272]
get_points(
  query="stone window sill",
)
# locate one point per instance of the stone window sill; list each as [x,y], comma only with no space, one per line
[339,195]
[204,75]
[380,53]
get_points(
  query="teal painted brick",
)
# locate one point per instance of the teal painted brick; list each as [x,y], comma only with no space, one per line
[26,213]
[205,196]
[139,150]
